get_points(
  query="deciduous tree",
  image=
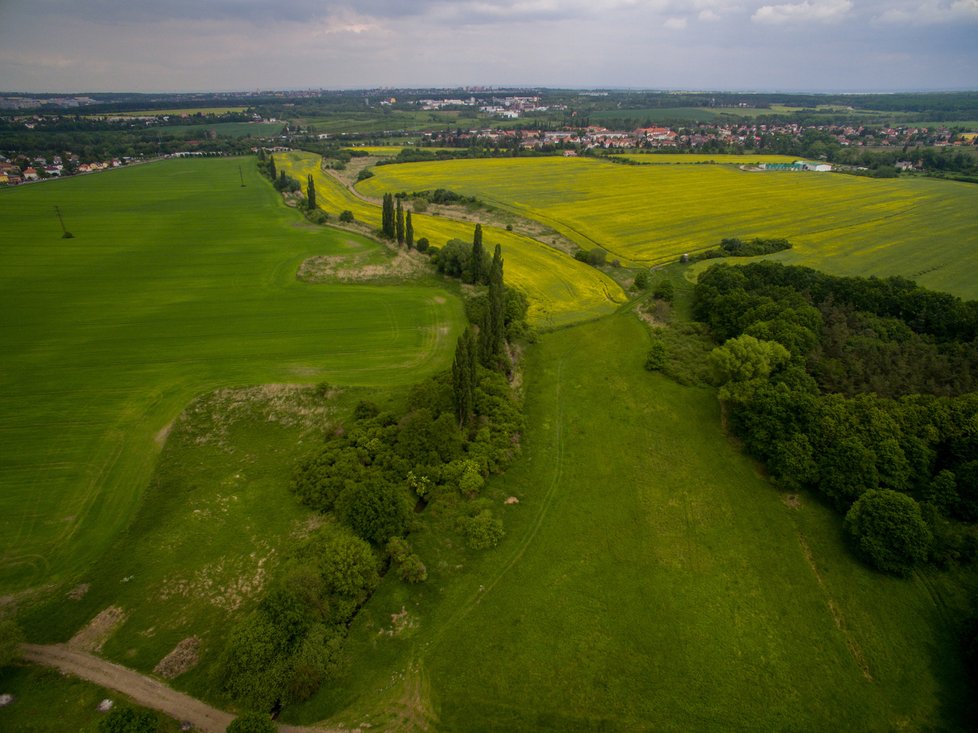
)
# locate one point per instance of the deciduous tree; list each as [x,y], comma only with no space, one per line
[889,530]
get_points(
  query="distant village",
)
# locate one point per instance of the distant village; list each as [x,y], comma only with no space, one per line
[535,134]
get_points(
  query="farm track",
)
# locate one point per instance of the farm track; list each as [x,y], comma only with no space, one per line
[352,189]
[146,691]
[527,540]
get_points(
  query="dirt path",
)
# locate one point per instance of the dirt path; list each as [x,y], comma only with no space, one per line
[144,690]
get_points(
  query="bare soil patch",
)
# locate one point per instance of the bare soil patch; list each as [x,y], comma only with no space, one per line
[183,658]
[225,584]
[792,501]
[211,416]
[350,268]
[99,629]
[78,592]
[164,433]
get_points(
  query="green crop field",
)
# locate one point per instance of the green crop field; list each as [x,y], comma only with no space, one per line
[919,228]
[561,290]
[650,580]
[178,281]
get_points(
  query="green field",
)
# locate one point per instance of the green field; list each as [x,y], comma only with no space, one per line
[216,521]
[46,701]
[650,580]
[561,290]
[919,228]
[178,281]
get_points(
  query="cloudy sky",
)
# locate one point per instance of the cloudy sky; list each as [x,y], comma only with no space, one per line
[195,45]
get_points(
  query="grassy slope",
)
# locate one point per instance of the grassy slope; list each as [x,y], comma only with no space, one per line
[650,579]
[178,281]
[216,521]
[561,289]
[920,228]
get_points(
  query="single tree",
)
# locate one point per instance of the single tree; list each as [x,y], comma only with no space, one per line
[477,255]
[409,232]
[399,222]
[271,167]
[311,194]
[889,530]
[463,378]
[387,216]
[497,307]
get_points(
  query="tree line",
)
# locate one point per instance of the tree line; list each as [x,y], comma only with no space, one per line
[370,480]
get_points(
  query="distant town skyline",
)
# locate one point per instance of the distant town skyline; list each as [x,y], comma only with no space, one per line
[47,46]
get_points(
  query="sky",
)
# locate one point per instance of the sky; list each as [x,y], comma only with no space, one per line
[246,45]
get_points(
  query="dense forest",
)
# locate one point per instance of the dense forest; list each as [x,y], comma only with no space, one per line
[862,390]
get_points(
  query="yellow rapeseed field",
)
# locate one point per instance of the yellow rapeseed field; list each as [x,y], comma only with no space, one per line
[694,158]
[920,228]
[561,290]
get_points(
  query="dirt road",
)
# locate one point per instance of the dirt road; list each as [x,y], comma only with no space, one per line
[146,691]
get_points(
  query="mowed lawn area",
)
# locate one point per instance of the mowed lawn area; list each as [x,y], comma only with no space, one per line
[650,579]
[920,228]
[178,280]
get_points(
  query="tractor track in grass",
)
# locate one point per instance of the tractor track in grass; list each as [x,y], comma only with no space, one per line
[144,690]
[548,498]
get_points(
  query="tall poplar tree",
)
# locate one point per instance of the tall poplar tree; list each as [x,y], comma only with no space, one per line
[311,193]
[477,255]
[272,173]
[409,232]
[387,216]
[399,223]
[496,310]
[463,377]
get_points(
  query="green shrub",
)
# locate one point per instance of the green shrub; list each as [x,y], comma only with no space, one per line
[346,216]
[125,719]
[483,530]
[252,723]
[656,358]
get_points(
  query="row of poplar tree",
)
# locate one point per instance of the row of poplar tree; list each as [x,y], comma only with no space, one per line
[481,345]
[396,223]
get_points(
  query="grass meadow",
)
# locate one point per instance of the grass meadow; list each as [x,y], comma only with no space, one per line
[920,228]
[561,289]
[650,579]
[216,520]
[46,701]
[178,281]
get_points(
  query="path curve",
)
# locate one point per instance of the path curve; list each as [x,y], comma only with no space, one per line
[146,691]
